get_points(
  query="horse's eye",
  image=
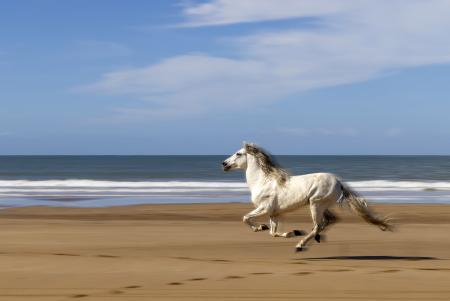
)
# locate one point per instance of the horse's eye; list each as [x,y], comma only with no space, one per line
[238,154]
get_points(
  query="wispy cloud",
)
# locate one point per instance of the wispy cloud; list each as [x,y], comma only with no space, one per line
[225,12]
[304,132]
[357,41]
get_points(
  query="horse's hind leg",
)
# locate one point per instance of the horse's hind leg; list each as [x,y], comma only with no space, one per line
[329,218]
[317,218]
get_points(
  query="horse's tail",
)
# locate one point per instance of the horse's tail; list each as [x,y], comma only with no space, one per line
[359,205]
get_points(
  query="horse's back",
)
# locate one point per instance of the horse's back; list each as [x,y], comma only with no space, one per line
[318,185]
[323,177]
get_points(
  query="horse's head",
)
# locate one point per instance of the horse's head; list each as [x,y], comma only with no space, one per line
[236,161]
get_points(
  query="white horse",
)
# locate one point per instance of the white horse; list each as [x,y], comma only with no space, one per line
[274,192]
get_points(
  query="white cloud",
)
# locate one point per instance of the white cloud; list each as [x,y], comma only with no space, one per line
[357,41]
[190,84]
[304,132]
[224,12]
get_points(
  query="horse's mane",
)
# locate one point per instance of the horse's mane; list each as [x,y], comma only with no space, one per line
[267,163]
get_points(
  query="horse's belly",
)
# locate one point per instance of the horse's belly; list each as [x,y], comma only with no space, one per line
[291,202]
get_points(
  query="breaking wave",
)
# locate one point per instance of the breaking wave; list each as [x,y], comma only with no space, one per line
[86,187]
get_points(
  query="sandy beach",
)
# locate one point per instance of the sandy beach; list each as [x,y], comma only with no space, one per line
[204,252]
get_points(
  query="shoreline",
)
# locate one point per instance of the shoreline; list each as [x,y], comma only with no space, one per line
[229,211]
[107,202]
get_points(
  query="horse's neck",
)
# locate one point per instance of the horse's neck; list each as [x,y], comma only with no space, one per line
[254,174]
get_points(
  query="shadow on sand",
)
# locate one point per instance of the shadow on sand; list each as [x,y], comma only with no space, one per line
[376,257]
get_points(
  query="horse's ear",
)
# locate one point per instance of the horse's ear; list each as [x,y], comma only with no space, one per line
[248,146]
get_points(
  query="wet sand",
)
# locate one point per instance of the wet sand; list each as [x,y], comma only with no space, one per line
[204,252]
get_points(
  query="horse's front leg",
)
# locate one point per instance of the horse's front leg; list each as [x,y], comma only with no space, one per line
[248,218]
[274,229]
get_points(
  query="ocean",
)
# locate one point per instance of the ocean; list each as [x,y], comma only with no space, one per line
[95,181]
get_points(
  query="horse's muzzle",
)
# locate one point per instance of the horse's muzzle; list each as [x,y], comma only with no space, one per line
[225,166]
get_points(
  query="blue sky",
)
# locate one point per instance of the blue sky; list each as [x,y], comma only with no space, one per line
[200,77]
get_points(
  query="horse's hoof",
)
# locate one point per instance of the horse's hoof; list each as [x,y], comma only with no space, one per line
[317,238]
[298,232]
[298,249]
[264,227]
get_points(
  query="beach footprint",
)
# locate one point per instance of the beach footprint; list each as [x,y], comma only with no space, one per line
[388,271]
[106,256]
[132,286]
[65,254]
[79,296]
[234,277]
[336,270]
[302,273]
[197,279]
